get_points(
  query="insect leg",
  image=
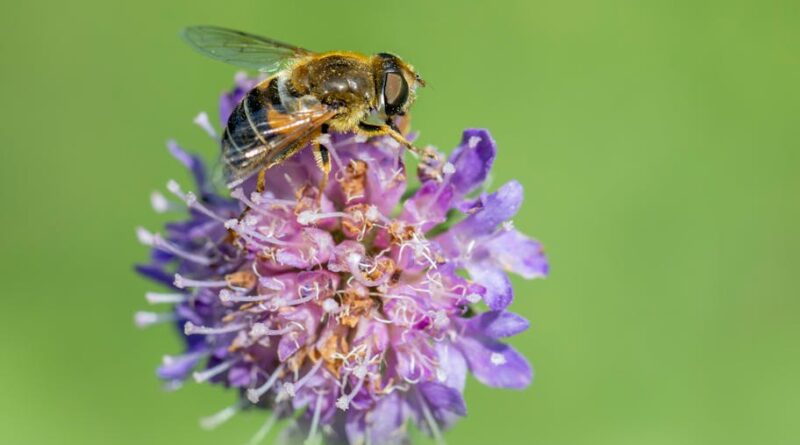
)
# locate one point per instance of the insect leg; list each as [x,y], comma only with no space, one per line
[385,130]
[323,159]
[261,182]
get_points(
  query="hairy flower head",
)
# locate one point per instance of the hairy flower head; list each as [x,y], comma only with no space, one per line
[362,306]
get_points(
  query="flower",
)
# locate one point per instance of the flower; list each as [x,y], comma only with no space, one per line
[362,308]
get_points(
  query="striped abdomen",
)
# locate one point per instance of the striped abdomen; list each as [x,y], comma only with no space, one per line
[247,133]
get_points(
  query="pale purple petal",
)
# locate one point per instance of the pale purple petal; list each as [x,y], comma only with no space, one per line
[472,160]
[496,364]
[497,324]
[517,253]
[452,369]
[429,205]
[499,292]
[498,207]
[443,398]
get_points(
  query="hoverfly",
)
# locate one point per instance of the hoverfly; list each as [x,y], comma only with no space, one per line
[306,95]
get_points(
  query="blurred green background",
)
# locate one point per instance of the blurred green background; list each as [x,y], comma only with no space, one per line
[657,142]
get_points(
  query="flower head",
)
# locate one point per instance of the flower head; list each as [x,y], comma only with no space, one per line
[362,308]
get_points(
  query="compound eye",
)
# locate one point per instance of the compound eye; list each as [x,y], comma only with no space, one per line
[395,92]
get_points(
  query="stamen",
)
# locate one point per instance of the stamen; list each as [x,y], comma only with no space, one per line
[261,330]
[311,296]
[191,329]
[291,389]
[172,359]
[217,419]
[145,319]
[343,402]
[474,298]
[330,306]
[175,189]
[145,236]
[182,282]
[192,202]
[226,296]
[254,394]
[307,217]
[160,203]
[202,376]
[158,298]
[434,427]
[203,122]
[264,430]
[312,433]
[155,240]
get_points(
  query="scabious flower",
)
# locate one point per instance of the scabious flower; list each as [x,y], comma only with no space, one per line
[361,309]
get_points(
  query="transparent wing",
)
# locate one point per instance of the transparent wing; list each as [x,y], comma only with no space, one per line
[241,49]
[266,138]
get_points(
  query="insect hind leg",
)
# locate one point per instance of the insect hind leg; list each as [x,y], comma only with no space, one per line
[323,160]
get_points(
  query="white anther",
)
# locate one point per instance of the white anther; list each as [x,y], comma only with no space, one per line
[288,388]
[448,168]
[156,298]
[231,223]
[254,394]
[330,305]
[360,371]
[305,217]
[440,319]
[179,281]
[259,330]
[159,202]
[191,199]
[343,403]
[174,188]
[508,225]
[225,295]
[145,236]
[144,319]
[203,122]
[372,213]
[474,298]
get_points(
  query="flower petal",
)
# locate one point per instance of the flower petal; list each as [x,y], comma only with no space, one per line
[497,207]
[452,369]
[496,364]
[499,292]
[497,324]
[472,160]
[384,425]
[443,398]
[517,253]
[429,205]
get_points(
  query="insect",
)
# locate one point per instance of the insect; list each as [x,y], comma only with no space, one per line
[306,95]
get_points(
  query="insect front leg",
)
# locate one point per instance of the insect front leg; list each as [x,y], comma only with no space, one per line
[371,130]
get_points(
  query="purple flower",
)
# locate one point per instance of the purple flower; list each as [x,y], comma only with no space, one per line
[353,307]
